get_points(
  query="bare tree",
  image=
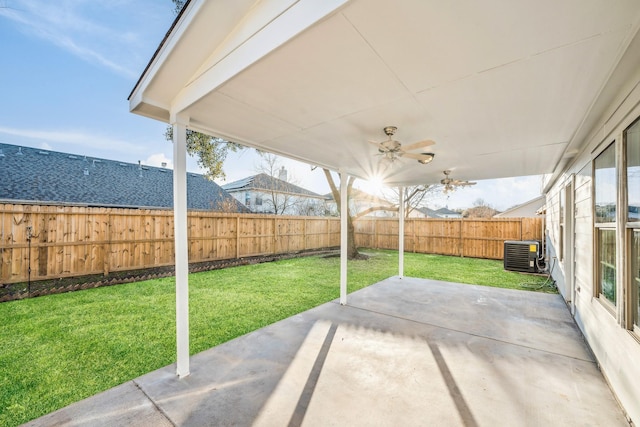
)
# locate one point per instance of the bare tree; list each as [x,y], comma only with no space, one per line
[414,196]
[226,205]
[275,186]
[352,249]
[480,209]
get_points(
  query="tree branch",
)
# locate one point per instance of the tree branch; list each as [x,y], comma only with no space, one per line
[374,209]
[332,185]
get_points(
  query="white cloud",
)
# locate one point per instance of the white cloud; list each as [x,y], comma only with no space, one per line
[73,137]
[76,27]
[158,159]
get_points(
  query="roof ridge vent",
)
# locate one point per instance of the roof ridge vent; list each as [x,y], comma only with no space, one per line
[44,153]
[71,156]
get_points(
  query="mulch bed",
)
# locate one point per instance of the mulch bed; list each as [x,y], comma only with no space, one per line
[16,291]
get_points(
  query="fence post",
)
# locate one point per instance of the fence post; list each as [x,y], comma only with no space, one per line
[275,236]
[304,234]
[521,228]
[107,247]
[238,237]
[375,233]
[413,235]
[328,233]
[461,241]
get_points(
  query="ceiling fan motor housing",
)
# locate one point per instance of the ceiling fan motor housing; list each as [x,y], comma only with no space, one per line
[390,130]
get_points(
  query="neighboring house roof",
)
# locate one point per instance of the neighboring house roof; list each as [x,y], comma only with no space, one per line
[446,211]
[524,210]
[44,176]
[429,213]
[264,182]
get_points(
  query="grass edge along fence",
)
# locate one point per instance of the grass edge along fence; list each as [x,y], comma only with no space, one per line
[41,242]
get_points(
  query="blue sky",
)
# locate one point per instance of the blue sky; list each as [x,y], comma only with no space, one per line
[68,66]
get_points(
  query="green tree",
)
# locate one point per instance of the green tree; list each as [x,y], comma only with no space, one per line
[210,152]
[178,5]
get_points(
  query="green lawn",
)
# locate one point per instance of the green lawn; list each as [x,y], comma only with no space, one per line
[59,349]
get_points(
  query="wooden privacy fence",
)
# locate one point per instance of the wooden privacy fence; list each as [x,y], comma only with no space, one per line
[47,242]
[77,241]
[474,238]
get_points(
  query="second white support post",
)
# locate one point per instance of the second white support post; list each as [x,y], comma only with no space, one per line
[401,233]
[181,247]
[344,211]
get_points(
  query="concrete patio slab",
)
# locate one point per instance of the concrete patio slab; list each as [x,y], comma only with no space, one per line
[408,352]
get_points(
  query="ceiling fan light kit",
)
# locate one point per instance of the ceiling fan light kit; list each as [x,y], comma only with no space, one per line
[428,158]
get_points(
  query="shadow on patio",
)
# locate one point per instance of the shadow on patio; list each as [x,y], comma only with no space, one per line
[403,352]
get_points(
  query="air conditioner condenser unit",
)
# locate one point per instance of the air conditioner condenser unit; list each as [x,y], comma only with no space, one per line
[522,255]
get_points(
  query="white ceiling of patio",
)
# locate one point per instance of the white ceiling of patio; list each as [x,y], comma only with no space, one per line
[504,88]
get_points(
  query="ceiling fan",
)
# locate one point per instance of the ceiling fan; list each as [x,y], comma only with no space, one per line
[392,150]
[452,184]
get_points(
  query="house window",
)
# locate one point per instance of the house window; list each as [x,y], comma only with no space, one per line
[605,190]
[258,199]
[632,140]
[607,263]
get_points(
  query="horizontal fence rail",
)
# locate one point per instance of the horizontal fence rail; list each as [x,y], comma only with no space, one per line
[49,242]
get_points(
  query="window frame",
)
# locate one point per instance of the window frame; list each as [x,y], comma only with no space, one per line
[630,228]
[609,225]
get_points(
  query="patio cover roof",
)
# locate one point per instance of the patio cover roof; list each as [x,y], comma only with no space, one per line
[504,88]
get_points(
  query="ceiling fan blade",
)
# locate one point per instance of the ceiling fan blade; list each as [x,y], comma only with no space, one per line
[415,156]
[416,145]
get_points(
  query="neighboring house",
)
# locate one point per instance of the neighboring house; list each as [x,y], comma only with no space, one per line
[530,209]
[361,201]
[263,193]
[448,213]
[31,175]
[424,213]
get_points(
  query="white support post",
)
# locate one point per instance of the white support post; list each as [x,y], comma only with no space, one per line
[343,237]
[181,247]
[401,233]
